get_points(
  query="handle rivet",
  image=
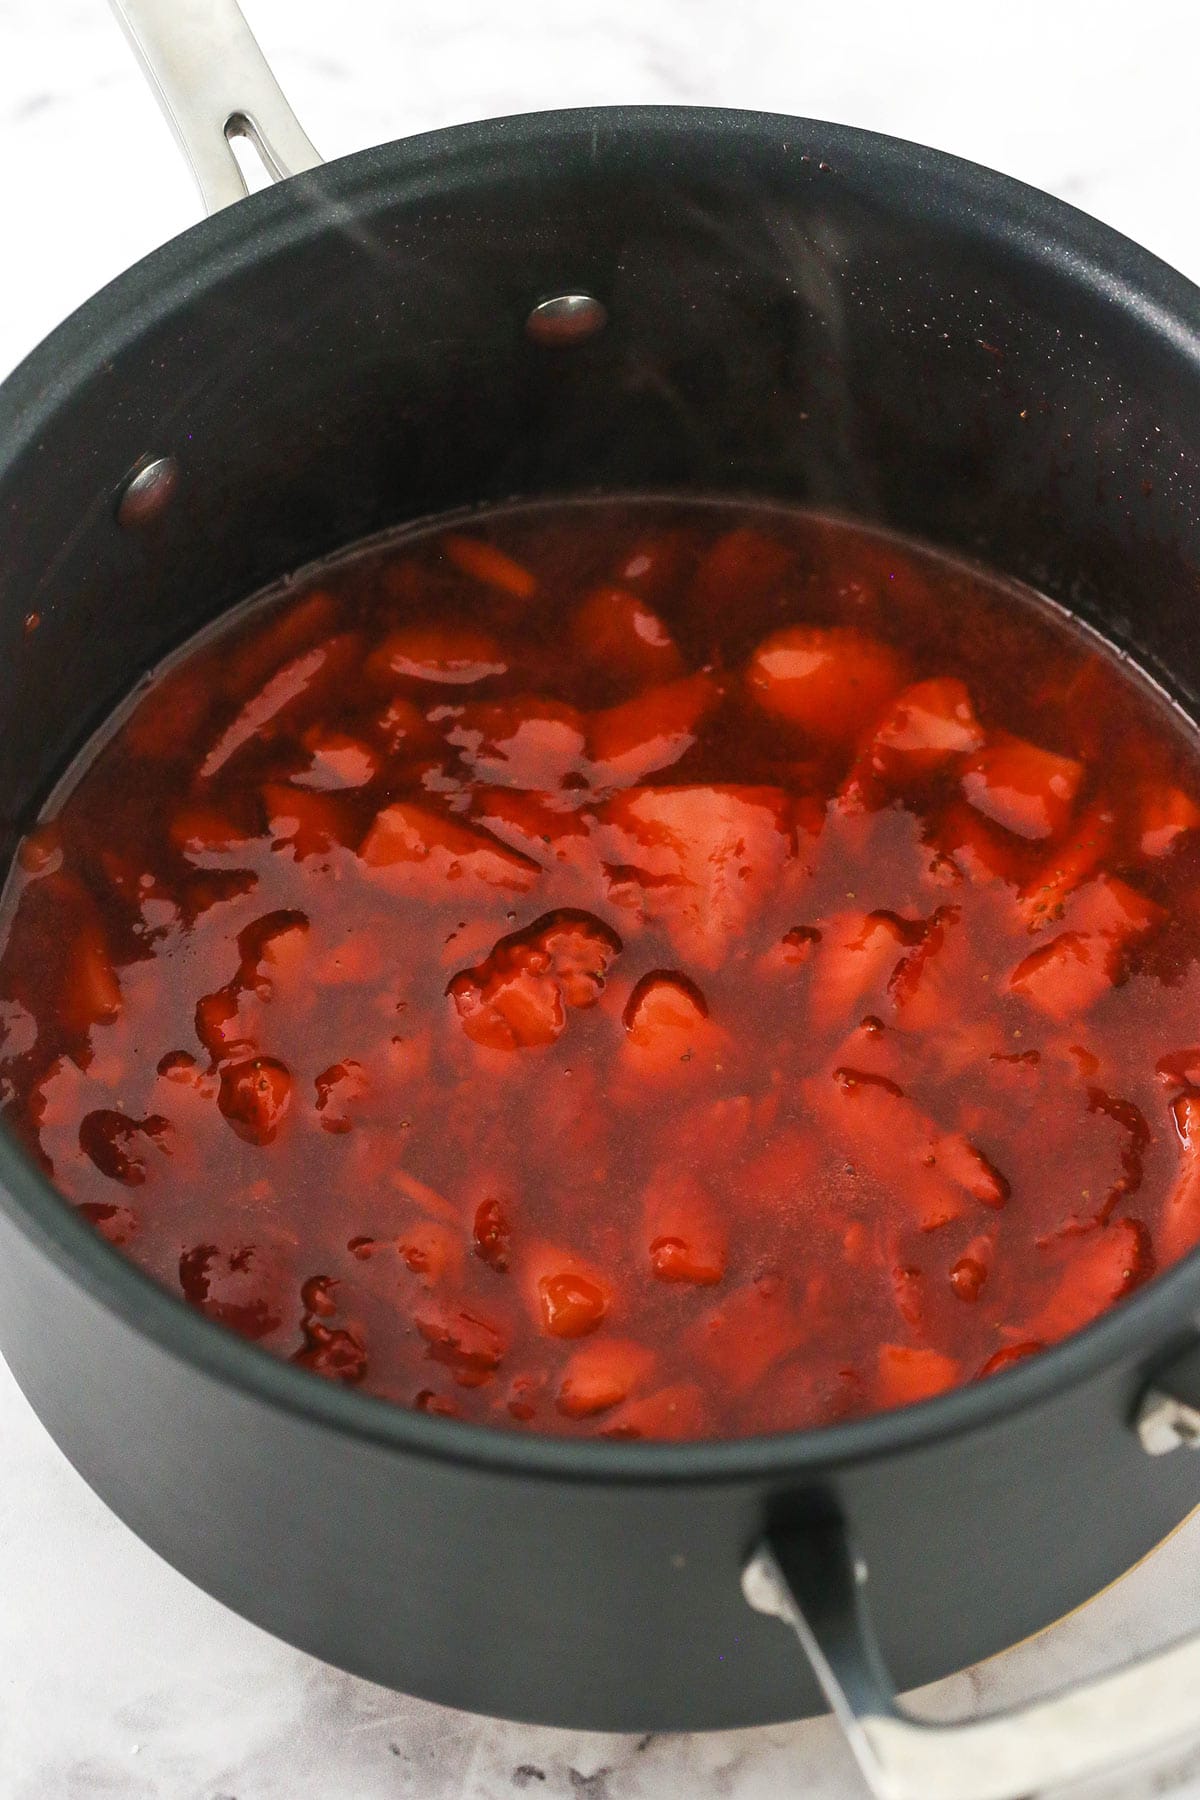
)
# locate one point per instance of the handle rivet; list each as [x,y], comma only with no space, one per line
[566,319]
[147,493]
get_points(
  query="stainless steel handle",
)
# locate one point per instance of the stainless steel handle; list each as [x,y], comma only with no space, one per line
[214,84]
[812,1580]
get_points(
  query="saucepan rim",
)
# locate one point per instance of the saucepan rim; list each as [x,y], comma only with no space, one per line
[947,189]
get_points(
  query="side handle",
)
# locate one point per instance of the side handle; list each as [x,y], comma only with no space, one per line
[214,84]
[810,1578]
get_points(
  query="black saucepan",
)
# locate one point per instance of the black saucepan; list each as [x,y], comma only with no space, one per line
[793,310]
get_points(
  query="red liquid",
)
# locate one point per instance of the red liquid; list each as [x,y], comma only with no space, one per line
[647,969]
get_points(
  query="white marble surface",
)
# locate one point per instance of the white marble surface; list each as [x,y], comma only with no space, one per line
[117,1679]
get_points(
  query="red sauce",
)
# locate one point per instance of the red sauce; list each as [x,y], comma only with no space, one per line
[644,969]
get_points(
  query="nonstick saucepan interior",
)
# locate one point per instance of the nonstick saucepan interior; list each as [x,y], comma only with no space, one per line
[786,309]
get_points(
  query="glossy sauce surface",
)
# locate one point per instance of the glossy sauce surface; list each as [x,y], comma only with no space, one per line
[655,969]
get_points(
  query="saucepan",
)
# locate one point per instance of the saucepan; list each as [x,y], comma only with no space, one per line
[636,299]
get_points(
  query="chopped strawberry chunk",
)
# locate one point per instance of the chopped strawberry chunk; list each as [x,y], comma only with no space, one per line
[677,1411]
[312,823]
[976,849]
[468,1343]
[857,955]
[491,1234]
[339,1089]
[927,985]
[751,1329]
[254,1097]
[907,1374]
[438,859]
[567,1297]
[243,1288]
[1069,974]
[431,1250]
[601,1374]
[1179,1231]
[1028,790]
[544,828]
[1102,1266]
[830,681]
[338,761]
[120,1146]
[618,633]
[92,993]
[740,566]
[683,1230]
[308,674]
[204,831]
[649,732]
[1166,814]
[702,860]
[654,563]
[456,656]
[531,743]
[516,998]
[493,567]
[667,1024]
[925,728]
[1004,1359]
[1044,897]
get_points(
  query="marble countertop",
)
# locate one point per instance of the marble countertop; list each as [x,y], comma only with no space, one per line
[117,1678]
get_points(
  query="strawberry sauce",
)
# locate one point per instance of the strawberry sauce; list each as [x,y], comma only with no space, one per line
[647,969]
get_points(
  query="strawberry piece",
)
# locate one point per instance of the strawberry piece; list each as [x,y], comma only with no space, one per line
[857,955]
[601,1374]
[908,1288]
[254,1096]
[791,953]
[1167,813]
[1027,790]
[616,632]
[120,1146]
[1069,974]
[539,826]
[748,1332]
[908,1374]
[285,688]
[1179,1230]
[741,565]
[92,993]
[1045,896]
[292,629]
[1114,910]
[654,563]
[516,997]
[484,563]
[469,1344]
[702,860]
[783,1177]
[829,681]
[926,986]
[926,727]
[274,948]
[437,859]
[40,852]
[242,1288]
[490,1233]
[312,823]
[968,1275]
[976,849]
[450,655]
[338,761]
[667,1024]
[202,832]
[339,1088]
[649,732]
[685,1234]
[431,1250]
[677,1411]
[1102,1267]
[531,743]
[228,1022]
[566,1296]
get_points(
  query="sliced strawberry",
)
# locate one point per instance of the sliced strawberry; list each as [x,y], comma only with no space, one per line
[483,562]
[908,1374]
[289,631]
[927,985]
[971,1270]
[439,860]
[203,832]
[908,1288]
[312,823]
[751,1329]
[1072,971]
[581,950]
[1114,910]
[1179,1230]
[543,828]
[529,743]
[616,632]
[1028,790]
[1044,897]
[857,955]
[702,860]
[338,760]
[567,1296]
[265,711]
[228,1022]
[976,849]
[254,1097]
[924,729]
[829,681]
[1102,1266]
[667,1026]
[649,732]
[450,655]
[683,1230]
[91,993]
[1167,813]
[601,1374]
[677,1411]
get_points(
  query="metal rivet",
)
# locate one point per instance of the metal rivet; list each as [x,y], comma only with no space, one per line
[148,491]
[566,319]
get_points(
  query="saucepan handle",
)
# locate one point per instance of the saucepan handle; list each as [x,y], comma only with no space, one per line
[811,1579]
[214,84]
